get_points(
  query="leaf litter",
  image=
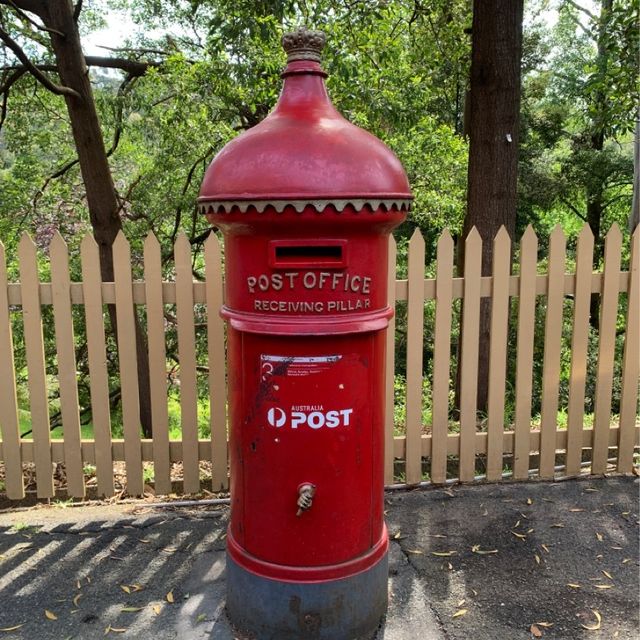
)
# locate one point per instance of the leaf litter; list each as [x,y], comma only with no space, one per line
[596,626]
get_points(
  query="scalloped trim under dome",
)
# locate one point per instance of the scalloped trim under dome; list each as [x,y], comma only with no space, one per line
[226,206]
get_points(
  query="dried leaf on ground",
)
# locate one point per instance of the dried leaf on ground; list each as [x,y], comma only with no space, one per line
[521,536]
[76,599]
[546,625]
[443,554]
[415,552]
[459,613]
[573,585]
[125,588]
[537,559]
[529,501]
[599,536]
[482,552]
[576,510]
[50,615]
[607,574]
[535,631]
[157,609]
[169,597]
[557,525]
[596,626]
[12,628]
[132,609]
[604,586]
[544,546]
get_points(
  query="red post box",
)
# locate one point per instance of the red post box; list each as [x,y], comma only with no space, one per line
[306,202]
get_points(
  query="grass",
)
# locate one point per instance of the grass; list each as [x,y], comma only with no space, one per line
[86,430]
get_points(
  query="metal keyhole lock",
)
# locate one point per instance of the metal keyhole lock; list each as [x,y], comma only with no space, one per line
[306,491]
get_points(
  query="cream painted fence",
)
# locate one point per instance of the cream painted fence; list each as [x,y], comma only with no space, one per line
[442,449]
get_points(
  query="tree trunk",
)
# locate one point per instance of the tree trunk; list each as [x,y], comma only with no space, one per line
[596,186]
[494,122]
[94,166]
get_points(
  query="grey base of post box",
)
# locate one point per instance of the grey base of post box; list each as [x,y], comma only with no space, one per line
[346,609]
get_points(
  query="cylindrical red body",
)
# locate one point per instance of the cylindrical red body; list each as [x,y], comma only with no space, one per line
[306,202]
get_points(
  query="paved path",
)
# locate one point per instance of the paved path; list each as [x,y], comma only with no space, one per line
[501,557]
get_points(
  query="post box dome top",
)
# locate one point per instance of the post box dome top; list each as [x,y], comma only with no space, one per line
[304,152]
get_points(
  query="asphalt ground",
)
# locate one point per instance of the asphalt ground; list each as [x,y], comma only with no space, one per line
[499,562]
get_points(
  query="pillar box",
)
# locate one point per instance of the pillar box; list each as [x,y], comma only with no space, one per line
[306,202]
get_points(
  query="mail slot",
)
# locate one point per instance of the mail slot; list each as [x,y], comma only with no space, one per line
[309,253]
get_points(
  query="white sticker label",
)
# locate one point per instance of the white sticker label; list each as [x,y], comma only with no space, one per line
[295,366]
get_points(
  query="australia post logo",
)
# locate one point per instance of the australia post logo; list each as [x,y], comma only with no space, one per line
[312,416]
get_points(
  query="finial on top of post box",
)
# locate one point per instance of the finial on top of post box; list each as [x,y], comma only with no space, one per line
[303,44]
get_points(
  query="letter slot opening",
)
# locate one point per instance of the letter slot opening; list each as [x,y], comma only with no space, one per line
[309,254]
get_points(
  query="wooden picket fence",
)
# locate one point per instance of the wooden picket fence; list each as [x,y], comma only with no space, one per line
[442,449]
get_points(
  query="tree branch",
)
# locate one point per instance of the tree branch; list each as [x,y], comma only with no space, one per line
[76,10]
[30,20]
[573,208]
[33,6]
[11,79]
[33,69]
[57,174]
[132,67]
[185,187]
[125,86]
[134,50]
[580,8]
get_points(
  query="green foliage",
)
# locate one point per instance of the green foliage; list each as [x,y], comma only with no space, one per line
[579,109]
[396,67]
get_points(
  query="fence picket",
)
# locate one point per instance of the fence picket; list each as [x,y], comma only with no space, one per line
[389,418]
[128,364]
[552,347]
[157,364]
[65,349]
[415,326]
[216,354]
[579,345]
[9,424]
[606,349]
[442,358]
[187,355]
[98,376]
[498,352]
[34,345]
[524,352]
[630,362]
[469,354]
